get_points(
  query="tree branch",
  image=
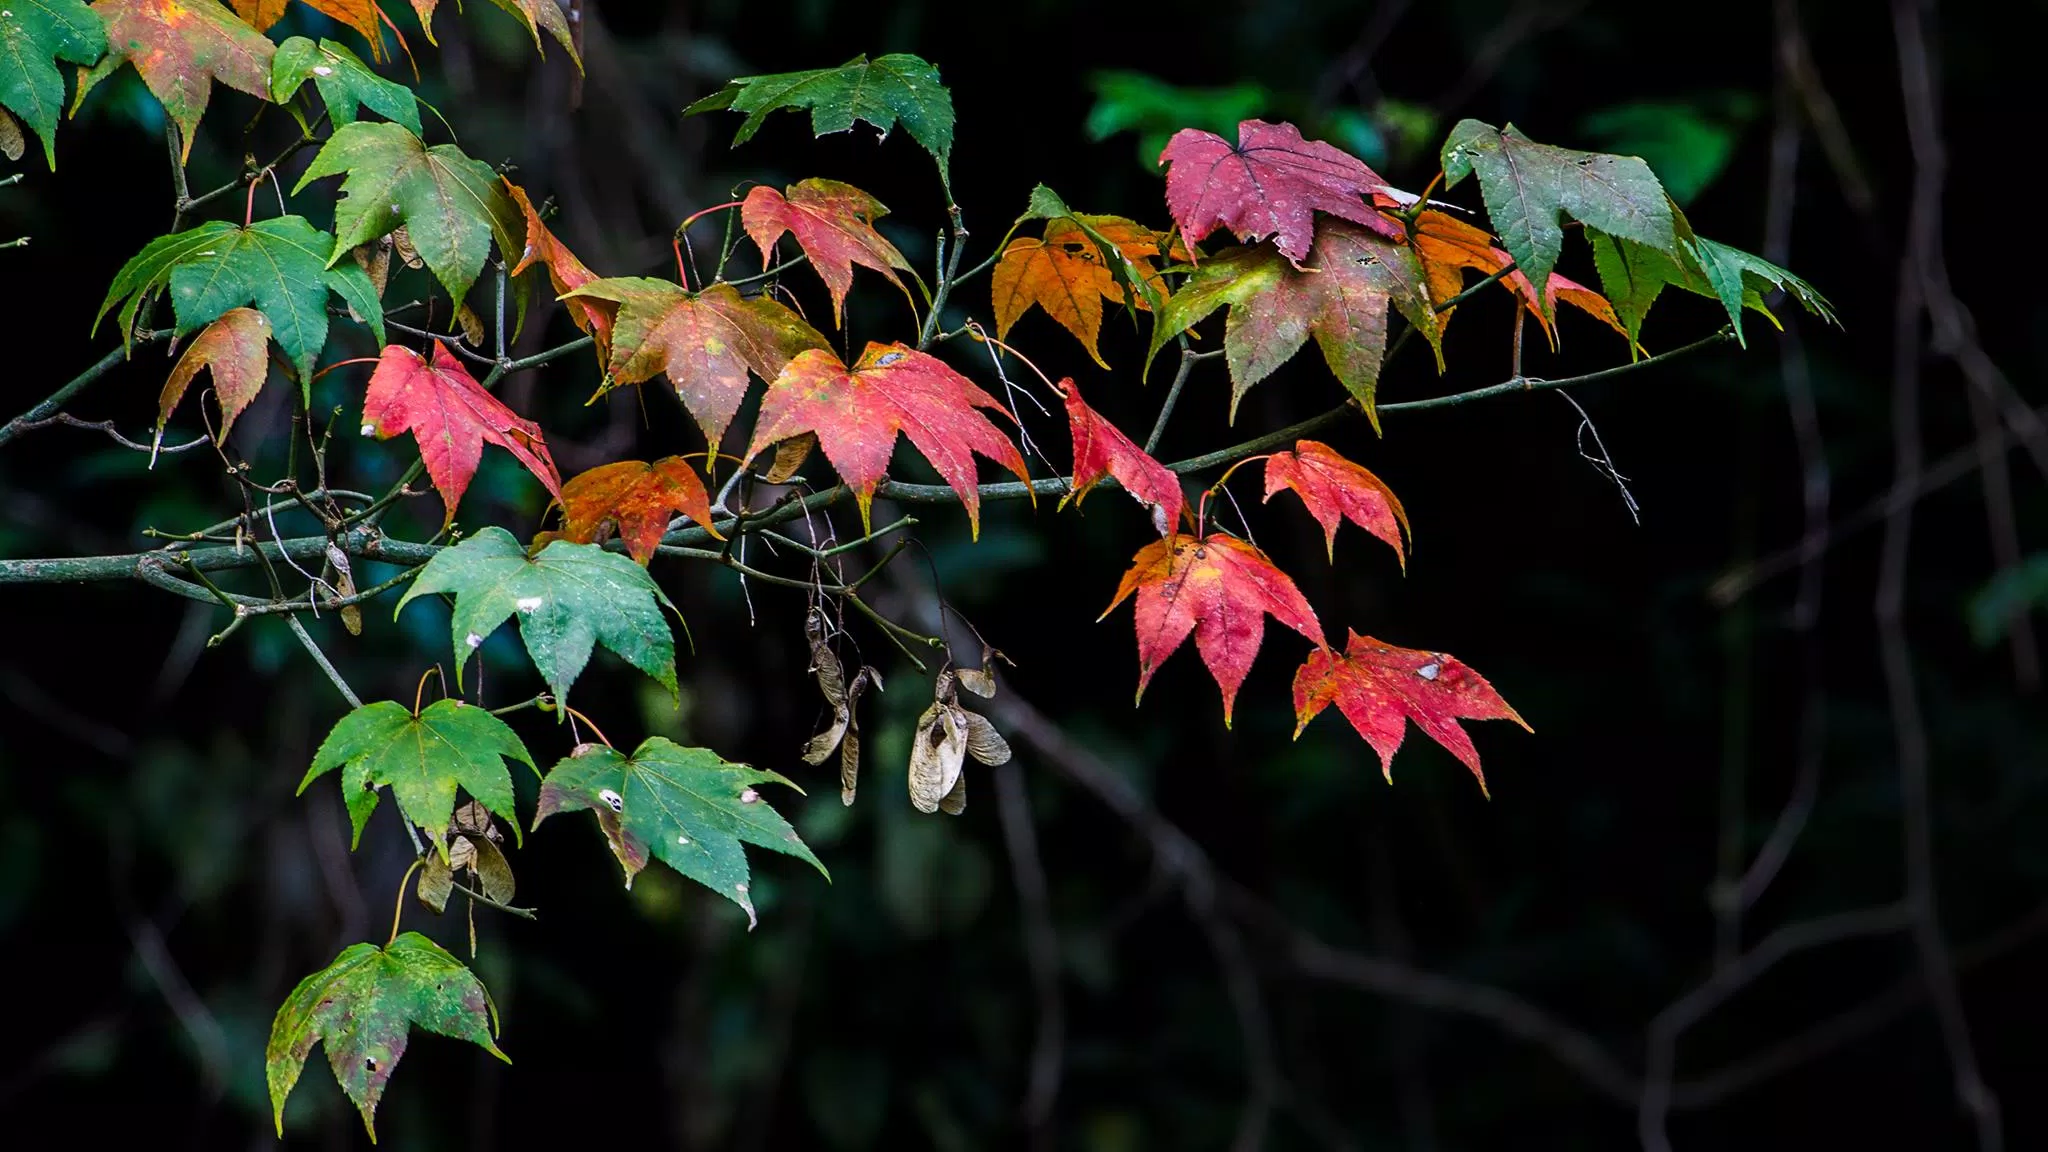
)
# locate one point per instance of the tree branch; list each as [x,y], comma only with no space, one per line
[48,409]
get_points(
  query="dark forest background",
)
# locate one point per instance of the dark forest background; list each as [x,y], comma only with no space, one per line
[1252,932]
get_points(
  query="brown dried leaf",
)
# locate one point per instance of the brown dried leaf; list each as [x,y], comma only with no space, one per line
[984,743]
[790,456]
[437,881]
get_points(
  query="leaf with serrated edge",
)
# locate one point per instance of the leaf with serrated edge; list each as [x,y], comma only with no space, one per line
[361,1009]
[1272,182]
[834,223]
[1221,589]
[857,413]
[34,36]
[705,342]
[180,47]
[451,416]
[1065,274]
[451,206]
[691,809]
[569,599]
[1447,244]
[1529,189]
[1274,309]
[1101,449]
[882,91]
[236,350]
[423,758]
[1379,688]
[637,497]
[1334,490]
[343,80]
[565,271]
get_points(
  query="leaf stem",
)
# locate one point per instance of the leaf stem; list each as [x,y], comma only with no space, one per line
[398,907]
[48,408]
[1188,357]
[950,274]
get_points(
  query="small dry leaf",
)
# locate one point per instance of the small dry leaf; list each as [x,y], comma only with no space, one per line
[401,240]
[12,143]
[832,683]
[984,743]
[472,326]
[493,871]
[790,456]
[437,881]
[345,585]
[849,747]
[982,681]
[946,735]
[461,853]
[374,259]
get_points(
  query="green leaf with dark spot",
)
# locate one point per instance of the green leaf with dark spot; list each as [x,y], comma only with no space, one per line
[451,206]
[884,91]
[276,265]
[569,599]
[362,1009]
[1530,188]
[423,758]
[686,806]
[345,83]
[34,35]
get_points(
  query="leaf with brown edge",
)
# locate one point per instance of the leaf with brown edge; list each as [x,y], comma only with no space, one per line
[180,47]
[360,15]
[565,272]
[1101,449]
[834,223]
[858,411]
[452,417]
[1064,273]
[1334,490]
[1342,301]
[706,342]
[635,497]
[537,15]
[236,349]
[1221,589]
[1448,245]
[1270,183]
[1379,688]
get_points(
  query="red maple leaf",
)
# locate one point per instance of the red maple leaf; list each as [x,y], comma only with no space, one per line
[1101,449]
[706,342]
[1218,587]
[451,416]
[1271,183]
[835,225]
[1335,489]
[1379,688]
[634,497]
[565,272]
[857,413]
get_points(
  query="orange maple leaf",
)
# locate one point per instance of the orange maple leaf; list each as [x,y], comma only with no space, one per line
[1064,274]
[634,497]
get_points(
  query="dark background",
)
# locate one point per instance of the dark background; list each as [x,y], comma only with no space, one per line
[161,888]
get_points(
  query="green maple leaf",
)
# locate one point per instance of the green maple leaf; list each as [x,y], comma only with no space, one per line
[687,807]
[344,81]
[362,1008]
[889,89]
[569,599]
[1529,188]
[1633,275]
[451,206]
[277,265]
[34,35]
[423,758]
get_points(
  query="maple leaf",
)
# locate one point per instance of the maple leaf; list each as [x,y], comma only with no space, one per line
[360,15]
[565,271]
[1447,244]
[1379,688]
[538,16]
[450,206]
[857,413]
[343,81]
[362,1007]
[424,758]
[1101,449]
[1270,183]
[180,47]
[1274,308]
[1636,274]
[1529,188]
[569,599]
[1334,490]
[706,342]
[235,348]
[687,807]
[34,35]
[1221,589]
[1065,274]
[634,497]
[882,91]
[276,265]
[451,416]
[834,224]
